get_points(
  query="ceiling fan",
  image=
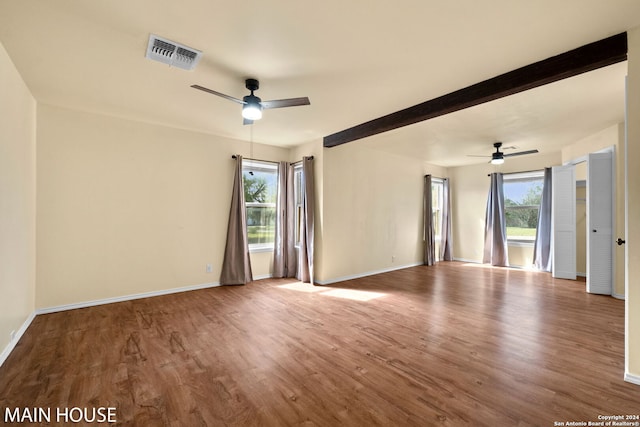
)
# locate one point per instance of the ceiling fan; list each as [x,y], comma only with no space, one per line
[497,158]
[252,105]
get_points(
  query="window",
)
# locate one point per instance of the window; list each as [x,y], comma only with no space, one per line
[260,181]
[522,195]
[298,200]
[437,191]
[436,206]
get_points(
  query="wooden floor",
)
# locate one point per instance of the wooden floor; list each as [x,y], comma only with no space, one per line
[453,344]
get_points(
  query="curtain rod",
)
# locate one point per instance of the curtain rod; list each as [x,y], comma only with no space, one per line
[270,161]
[255,160]
[300,161]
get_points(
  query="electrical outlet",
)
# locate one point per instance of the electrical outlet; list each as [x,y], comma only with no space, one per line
[209,268]
[393,258]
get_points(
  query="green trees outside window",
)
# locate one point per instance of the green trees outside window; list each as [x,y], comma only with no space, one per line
[522,204]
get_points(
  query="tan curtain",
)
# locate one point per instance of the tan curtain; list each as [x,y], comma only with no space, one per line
[236,267]
[446,242]
[495,230]
[284,256]
[304,271]
[429,240]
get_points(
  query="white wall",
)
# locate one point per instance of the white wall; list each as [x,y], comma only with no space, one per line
[633,209]
[372,217]
[17,200]
[126,207]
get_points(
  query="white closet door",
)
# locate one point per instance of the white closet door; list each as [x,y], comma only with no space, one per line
[600,223]
[563,211]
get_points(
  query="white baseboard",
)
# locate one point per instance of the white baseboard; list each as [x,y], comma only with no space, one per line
[618,296]
[12,344]
[470,261]
[9,348]
[368,273]
[634,379]
[92,303]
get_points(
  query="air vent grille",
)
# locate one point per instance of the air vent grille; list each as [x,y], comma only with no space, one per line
[172,53]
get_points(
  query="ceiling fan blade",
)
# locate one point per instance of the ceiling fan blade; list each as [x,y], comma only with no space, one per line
[520,153]
[213,92]
[280,103]
[247,122]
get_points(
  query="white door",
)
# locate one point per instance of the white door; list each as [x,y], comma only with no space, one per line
[563,212]
[600,223]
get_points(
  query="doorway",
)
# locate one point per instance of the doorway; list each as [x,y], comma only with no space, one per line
[585,222]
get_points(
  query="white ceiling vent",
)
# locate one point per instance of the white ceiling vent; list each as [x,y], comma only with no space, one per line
[172,53]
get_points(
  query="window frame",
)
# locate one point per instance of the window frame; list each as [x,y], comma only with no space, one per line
[298,201]
[437,208]
[535,175]
[266,166]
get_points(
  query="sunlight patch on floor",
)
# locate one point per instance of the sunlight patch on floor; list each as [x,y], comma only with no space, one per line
[302,287]
[489,266]
[352,294]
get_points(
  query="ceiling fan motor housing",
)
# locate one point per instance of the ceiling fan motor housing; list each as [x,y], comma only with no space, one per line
[252,84]
[498,155]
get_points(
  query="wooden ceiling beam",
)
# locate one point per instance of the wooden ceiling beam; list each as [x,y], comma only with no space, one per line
[577,61]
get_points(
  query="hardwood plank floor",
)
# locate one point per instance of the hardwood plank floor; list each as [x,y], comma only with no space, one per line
[453,344]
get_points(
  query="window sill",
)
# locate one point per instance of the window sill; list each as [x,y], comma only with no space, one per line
[259,249]
[521,243]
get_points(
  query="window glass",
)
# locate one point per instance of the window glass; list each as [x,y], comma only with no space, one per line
[437,187]
[522,195]
[260,181]
[436,206]
[298,190]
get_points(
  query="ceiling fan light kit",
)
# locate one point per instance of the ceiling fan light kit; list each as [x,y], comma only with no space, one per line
[252,110]
[497,160]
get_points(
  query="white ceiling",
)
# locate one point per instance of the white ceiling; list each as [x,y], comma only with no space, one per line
[355,60]
[545,118]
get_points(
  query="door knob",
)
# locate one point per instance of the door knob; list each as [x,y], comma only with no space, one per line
[620,242]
